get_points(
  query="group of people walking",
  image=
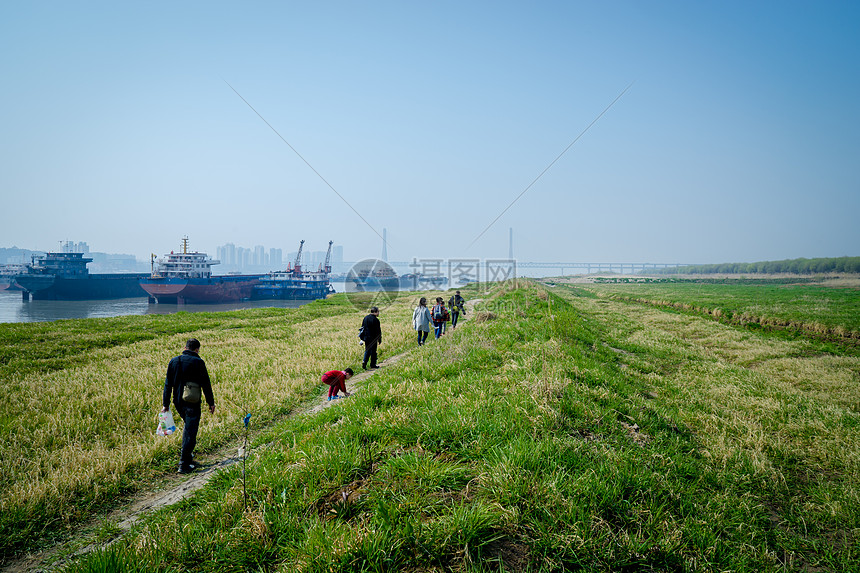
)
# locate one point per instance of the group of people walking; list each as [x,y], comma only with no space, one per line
[187,383]
[439,315]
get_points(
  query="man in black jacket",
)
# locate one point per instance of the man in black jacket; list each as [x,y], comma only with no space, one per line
[372,335]
[187,368]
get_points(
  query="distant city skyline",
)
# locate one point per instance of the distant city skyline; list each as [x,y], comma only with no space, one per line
[259,259]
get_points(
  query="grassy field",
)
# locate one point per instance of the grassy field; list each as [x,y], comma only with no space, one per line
[79,398]
[555,430]
[829,309]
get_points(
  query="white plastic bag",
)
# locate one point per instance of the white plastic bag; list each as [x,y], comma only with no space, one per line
[165,424]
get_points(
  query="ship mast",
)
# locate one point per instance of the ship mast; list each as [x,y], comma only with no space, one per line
[185,245]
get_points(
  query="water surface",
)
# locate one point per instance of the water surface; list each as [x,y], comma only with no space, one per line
[13,309]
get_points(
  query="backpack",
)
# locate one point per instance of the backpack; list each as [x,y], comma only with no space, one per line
[455,308]
[438,313]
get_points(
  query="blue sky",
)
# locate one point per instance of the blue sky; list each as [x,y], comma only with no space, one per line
[738,140]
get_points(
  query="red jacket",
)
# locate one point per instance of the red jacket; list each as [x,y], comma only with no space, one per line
[333,377]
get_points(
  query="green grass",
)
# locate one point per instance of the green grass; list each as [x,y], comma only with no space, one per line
[827,311]
[566,433]
[46,346]
[78,399]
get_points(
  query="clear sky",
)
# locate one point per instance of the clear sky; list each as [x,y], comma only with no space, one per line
[738,141]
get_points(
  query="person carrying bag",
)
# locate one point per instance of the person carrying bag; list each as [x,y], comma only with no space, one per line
[187,383]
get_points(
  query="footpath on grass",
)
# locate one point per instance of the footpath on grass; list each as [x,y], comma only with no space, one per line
[564,432]
[172,489]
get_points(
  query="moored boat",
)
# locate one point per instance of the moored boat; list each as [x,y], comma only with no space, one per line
[186,277]
[7,276]
[294,283]
[419,281]
[372,275]
[64,276]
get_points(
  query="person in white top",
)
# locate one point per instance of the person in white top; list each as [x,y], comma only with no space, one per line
[421,320]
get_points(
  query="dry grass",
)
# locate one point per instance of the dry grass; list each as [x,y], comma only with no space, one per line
[827,310]
[745,393]
[484,316]
[85,428]
[595,435]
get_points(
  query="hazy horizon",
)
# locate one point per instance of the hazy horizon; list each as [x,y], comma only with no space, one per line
[736,142]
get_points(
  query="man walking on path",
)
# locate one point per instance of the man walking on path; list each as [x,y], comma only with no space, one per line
[336,380]
[372,334]
[457,304]
[188,382]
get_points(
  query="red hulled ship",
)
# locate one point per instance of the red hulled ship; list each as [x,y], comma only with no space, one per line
[186,277]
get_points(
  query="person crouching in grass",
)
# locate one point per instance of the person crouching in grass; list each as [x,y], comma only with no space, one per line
[336,380]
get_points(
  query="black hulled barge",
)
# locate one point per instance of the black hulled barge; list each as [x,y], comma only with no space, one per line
[64,276]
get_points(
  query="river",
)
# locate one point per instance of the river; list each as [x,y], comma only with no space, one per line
[13,309]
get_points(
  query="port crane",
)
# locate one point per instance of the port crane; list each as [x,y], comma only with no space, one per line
[327,266]
[297,266]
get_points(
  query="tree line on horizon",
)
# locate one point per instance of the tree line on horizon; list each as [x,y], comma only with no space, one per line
[800,266]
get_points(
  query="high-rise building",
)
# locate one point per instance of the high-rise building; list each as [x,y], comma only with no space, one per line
[259,259]
[337,259]
[242,258]
[73,247]
[230,254]
[227,255]
[276,258]
[313,259]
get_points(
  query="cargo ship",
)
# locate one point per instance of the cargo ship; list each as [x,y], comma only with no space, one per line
[420,281]
[372,275]
[294,283]
[7,276]
[186,277]
[64,276]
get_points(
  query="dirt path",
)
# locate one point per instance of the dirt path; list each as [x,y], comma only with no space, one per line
[225,457]
[174,488]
